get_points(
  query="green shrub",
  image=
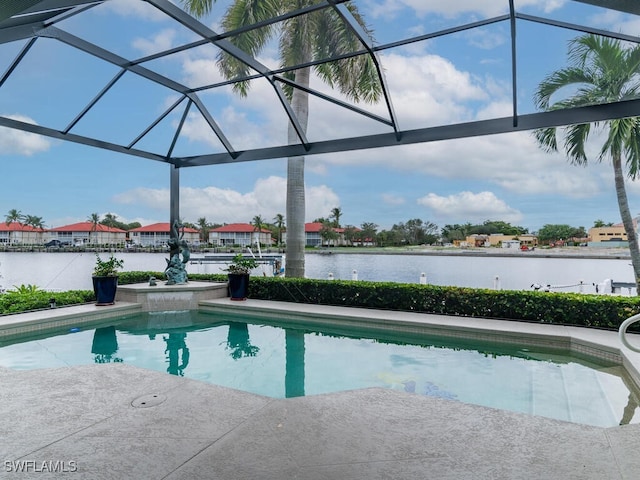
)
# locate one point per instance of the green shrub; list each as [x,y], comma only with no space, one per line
[127,278]
[16,301]
[599,311]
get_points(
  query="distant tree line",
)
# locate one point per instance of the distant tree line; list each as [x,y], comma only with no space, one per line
[411,232]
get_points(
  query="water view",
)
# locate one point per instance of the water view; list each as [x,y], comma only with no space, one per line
[64,271]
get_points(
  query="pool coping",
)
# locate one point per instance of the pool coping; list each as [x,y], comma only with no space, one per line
[42,321]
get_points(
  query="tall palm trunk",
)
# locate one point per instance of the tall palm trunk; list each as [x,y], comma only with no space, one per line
[627,219]
[296,208]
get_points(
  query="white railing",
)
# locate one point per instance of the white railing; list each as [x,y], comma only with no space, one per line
[623,330]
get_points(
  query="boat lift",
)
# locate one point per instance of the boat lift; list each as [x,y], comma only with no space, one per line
[272,259]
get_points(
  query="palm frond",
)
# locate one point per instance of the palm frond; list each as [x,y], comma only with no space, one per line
[296,40]
[198,8]
[601,71]
[633,59]
[356,77]
[574,143]
[547,139]
[618,133]
[632,149]
[595,52]
[242,13]
[558,80]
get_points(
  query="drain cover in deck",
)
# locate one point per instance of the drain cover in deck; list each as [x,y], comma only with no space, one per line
[149,400]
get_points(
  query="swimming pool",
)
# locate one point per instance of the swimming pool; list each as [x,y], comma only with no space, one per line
[287,360]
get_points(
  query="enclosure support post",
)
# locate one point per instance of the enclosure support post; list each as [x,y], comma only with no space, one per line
[174,203]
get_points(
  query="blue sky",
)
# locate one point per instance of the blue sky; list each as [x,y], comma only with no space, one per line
[453,79]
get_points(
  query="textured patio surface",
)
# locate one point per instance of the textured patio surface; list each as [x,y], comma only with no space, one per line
[95,417]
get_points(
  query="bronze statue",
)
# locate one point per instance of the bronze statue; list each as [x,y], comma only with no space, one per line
[176,271]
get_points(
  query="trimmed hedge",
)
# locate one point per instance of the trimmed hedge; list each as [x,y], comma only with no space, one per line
[15,302]
[598,311]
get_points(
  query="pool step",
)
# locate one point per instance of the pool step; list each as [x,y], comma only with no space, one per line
[578,391]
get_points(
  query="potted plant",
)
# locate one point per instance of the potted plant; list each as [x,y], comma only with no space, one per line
[105,279]
[238,274]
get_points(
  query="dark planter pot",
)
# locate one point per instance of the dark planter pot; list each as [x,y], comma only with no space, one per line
[105,290]
[238,285]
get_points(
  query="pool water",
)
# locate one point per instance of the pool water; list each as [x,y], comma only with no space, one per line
[288,360]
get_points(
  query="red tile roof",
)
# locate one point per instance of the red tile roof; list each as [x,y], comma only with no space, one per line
[162,227]
[86,227]
[315,227]
[238,228]
[17,227]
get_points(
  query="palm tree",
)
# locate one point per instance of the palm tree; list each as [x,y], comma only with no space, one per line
[14,216]
[302,39]
[94,218]
[601,71]
[369,232]
[258,225]
[35,222]
[109,220]
[278,221]
[336,213]
[328,234]
[203,228]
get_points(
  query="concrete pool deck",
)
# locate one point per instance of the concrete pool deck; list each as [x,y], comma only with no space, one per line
[115,421]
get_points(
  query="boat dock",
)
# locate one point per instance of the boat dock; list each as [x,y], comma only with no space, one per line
[268,258]
[272,259]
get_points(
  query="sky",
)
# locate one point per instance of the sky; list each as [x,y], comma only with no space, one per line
[448,80]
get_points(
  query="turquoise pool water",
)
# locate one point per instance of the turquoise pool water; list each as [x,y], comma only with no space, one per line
[287,360]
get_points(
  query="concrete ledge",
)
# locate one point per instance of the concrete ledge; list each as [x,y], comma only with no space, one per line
[43,321]
[170,297]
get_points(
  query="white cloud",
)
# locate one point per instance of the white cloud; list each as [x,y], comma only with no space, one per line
[149,197]
[427,90]
[219,205]
[512,161]
[391,199]
[163,40]
[470,207]
[202,71]
[458,7]
[17,142]
[127,8]
[617,22]
[485,39]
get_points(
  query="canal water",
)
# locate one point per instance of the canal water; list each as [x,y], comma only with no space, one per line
[66,271]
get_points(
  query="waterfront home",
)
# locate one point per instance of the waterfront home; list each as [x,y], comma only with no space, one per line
[158,234]
[313,233]
[610,236]
[242,234]
[16,233]
[85,233]
[496,239]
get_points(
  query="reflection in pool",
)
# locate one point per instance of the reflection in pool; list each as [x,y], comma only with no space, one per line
[290,359]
